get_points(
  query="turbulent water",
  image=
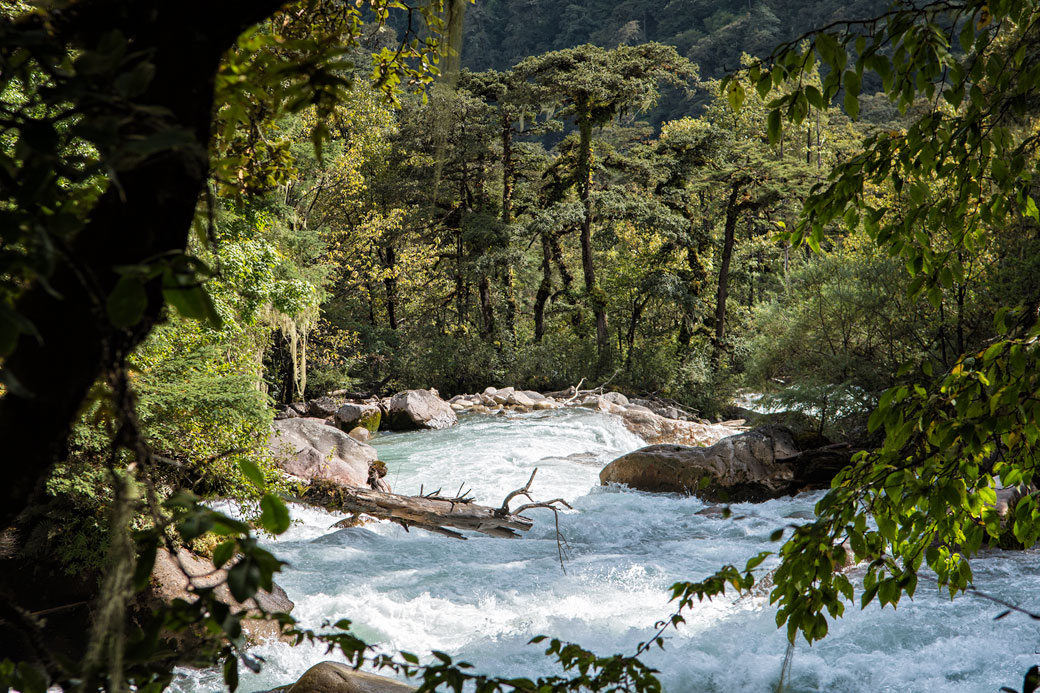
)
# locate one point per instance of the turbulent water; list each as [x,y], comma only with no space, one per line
[482,600]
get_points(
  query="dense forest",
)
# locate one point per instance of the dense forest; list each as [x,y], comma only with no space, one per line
[691,202]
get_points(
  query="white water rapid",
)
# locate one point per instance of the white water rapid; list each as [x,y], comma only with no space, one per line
[483,599]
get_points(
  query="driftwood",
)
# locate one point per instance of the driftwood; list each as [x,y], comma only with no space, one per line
[432,512]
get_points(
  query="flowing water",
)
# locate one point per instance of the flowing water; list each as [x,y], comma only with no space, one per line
[483,599]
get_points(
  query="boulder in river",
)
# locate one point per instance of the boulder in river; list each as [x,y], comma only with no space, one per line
[333,677]
[350,416]
[745,467]
[170,581]
[309,449]
[656,429]
[415,409]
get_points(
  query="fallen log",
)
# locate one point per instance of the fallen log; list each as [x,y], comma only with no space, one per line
[434,513]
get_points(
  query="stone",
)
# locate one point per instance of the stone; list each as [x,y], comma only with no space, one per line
[286,413]
[656,429]
[322,407]
[350,416]
[532,395]
[739,468]
[299,407]
[519,399]
[544,404]
[417,409]
[616,398]
[169,582]
[490,390]
[309,449]
[333,677]
[360,434]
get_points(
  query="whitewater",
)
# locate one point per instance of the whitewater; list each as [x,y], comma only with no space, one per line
[482,600]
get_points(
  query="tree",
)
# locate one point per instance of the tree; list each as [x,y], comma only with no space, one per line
[595,86]
[107,112]
[965,169]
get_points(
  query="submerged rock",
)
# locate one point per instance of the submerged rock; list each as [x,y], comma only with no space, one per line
[745,467]
[309,449]
[415,409]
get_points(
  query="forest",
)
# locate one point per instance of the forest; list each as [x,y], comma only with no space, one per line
[815,217]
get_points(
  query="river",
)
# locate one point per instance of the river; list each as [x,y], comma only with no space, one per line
[482,600]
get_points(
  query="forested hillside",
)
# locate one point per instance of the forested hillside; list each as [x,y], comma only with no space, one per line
[206,226]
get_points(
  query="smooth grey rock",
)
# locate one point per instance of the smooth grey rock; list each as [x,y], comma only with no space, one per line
[309,449]
[416,409]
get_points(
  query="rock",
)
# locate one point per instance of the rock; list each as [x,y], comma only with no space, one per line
[533,396]
[544,404]
[333,677]
[657,430]
[360,434]
[169,582]
[616,398]
[286,413]
[738,468]
[490,390]
[322,407]
[299,407]
[350,416]
[414,409]
[519,399]
[309,449]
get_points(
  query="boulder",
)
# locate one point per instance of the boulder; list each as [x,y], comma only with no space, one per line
[322,407]
[360,434]
[616,398]
[309,449]
[169,582]
[519,399]
[745,467]
[299,407]
[333,677]
[286,413]
[415,409]
[656,429]
[350,416]
[532,395]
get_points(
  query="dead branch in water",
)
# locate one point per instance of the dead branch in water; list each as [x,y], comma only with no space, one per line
[433,512]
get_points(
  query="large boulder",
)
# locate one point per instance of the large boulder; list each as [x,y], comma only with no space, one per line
[656,429]
[323,407]
[745,467]
[415,409]
[333,677]
[309,449]
[350,416]
[170,579]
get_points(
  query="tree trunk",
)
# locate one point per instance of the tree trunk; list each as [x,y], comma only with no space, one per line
[732,212]
[147,216]
[585,194]
[487,310]
[544,290]
[390,285]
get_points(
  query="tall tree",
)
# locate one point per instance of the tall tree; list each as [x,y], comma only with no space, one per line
[595,86]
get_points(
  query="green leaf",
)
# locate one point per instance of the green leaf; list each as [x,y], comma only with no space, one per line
[274,516]
[773,126]
[194,303]
[735,94]
[127,302]
[251,472]
[223,553]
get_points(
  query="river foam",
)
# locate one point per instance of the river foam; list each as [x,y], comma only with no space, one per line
[482,600]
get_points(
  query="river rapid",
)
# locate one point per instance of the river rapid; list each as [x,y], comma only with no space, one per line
[482,600]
